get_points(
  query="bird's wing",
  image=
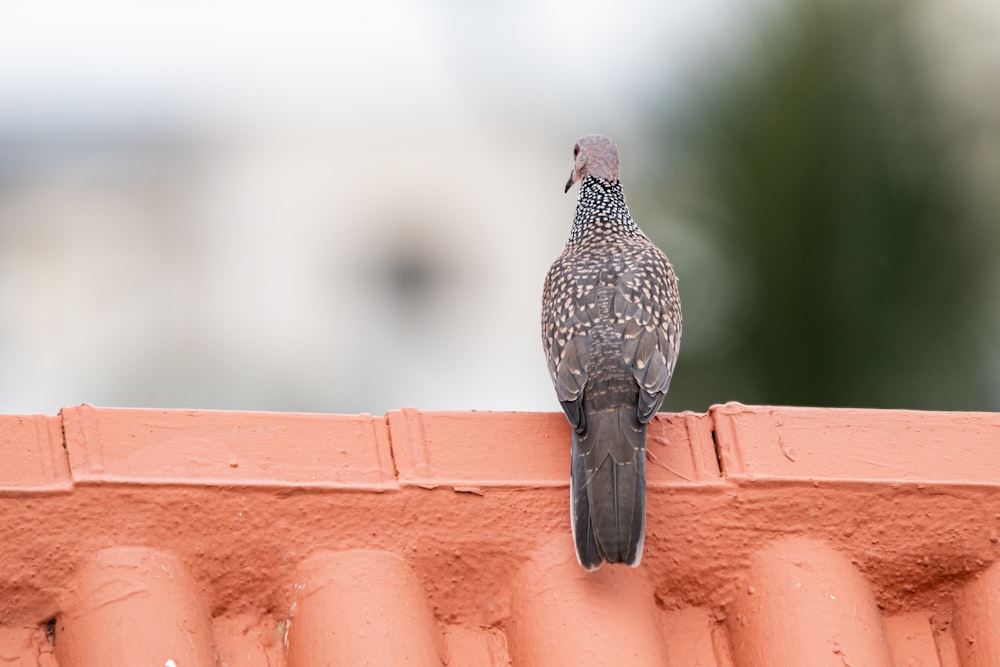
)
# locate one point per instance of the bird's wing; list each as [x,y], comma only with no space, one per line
[647,308]
[567,314]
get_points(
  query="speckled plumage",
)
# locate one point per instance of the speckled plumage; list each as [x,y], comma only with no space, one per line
[611,329]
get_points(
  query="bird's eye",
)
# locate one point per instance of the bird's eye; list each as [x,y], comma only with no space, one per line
[576,150]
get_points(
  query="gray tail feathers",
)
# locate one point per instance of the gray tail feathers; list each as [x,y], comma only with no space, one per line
[608,488]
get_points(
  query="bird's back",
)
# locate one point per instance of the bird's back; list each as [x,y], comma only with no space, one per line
[610,328]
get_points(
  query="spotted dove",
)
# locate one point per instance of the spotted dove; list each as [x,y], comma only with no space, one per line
[611,329]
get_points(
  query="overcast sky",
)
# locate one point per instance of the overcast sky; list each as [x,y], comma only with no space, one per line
[301,57]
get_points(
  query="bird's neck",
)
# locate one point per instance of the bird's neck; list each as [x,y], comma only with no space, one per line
[601,212]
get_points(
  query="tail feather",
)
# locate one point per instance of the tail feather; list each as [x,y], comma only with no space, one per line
[608,488]
[583,530]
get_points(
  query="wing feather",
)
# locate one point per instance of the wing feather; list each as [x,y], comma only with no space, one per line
[648,308]
[565,327]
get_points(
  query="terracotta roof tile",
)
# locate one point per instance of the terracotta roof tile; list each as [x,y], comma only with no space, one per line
[775,536]
[208,447]
[31,456]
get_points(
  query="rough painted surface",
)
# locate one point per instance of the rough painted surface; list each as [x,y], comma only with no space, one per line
[802,603]
[233,538]
[336,614]
[562,614]
[139,593]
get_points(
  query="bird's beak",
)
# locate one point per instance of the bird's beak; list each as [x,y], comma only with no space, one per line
[571,181]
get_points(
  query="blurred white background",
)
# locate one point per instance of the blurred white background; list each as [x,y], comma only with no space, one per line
[314,206]
[305,205]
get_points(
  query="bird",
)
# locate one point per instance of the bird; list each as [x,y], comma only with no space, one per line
[611,332]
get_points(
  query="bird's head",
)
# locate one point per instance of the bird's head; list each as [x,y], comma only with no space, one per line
[594,155]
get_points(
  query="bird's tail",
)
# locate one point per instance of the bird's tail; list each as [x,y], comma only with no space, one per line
[608,488]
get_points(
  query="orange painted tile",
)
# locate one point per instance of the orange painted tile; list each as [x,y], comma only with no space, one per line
[563,615]
[482,647]
[911,640]
[226,448]
[25,647]
[32,457]
[855,445]
[680,449]
[976,627]
[246,640]
[134,606]
[250,539]
[944,641]
[361,608]
[688,639]
[802,603]
[474,449]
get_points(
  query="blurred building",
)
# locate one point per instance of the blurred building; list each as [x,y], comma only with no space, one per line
[302,269]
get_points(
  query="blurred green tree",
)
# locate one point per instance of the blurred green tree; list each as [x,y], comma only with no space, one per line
[851,257]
